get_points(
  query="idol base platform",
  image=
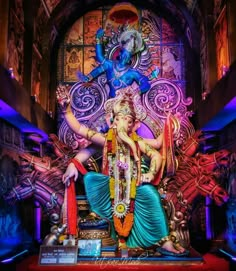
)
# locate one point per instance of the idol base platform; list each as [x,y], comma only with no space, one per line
[195,261]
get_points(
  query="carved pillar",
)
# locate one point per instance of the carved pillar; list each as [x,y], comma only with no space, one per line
[28,44]
[45,72]
[211,44]
[231,7]
[4,11]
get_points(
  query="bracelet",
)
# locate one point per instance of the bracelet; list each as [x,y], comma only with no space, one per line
[90,77]
[153,171]
[162,241]
[98,41]
[90,134]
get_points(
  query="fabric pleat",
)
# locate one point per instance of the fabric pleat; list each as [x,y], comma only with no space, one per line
[150,224]
[98,195]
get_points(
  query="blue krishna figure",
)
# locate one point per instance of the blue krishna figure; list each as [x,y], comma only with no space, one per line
[119,72]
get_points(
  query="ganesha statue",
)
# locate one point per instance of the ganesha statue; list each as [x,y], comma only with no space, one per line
[123,194]
[128,190]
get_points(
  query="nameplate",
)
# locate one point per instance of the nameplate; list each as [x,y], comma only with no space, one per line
[58,255]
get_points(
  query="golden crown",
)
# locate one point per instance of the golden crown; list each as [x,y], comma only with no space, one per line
[124,109]
[126,102]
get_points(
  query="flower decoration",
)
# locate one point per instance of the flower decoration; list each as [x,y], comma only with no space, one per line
[120,209]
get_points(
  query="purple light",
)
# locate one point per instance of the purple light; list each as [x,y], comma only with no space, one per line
[209,234]
[223,118]
[13,117]
[144,131]
[232,257]
[8,260]
[37,217]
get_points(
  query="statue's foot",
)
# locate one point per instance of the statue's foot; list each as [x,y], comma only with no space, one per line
[169,249]
[179,247]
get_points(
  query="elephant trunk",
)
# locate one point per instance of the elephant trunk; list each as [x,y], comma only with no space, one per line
[122,134]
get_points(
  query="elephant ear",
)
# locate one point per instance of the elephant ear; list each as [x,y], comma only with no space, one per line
[137,124]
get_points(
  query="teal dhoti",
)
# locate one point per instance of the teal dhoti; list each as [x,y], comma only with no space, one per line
[150,224]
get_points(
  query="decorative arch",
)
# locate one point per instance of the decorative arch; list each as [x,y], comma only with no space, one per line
[66,13]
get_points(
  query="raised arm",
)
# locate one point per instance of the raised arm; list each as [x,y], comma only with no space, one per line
[142,81]
[104,63]
[144,84]
[64,102]
[99,47]
[156,143]
[82,156]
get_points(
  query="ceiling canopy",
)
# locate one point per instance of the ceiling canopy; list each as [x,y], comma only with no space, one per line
[180,14]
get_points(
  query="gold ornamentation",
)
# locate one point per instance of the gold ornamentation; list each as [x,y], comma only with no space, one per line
[153,171]
[90,77]
[122,148]
[148,149]
[112,187]
[133,189]
[153,168]
[163,240]
[126,94]
[90,134]
[126,111]
[93,234]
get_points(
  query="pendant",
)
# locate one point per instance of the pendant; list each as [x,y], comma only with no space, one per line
[120,209]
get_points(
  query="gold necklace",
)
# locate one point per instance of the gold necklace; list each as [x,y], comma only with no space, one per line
[122,149]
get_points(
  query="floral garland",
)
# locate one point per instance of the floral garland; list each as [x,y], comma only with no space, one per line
[123,207]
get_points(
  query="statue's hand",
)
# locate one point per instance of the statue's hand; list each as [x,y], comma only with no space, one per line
[147,177]
[100,33]
[71,172]
[63,97]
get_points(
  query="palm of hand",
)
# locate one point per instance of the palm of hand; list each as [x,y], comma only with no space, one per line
[63,97]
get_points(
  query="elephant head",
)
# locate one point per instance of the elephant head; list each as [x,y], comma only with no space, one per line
[125,123]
